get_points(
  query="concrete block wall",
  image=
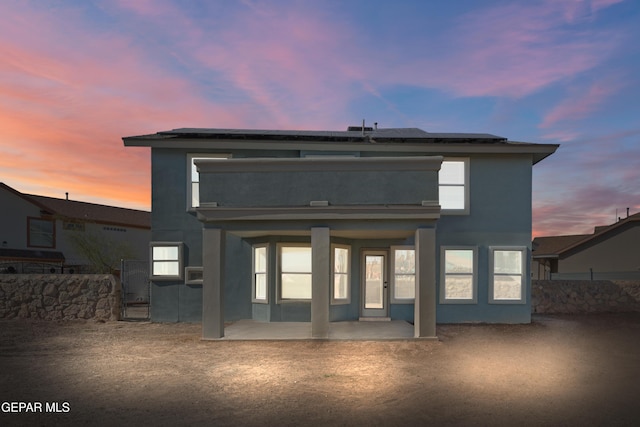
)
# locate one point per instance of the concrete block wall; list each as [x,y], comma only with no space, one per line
[60,296]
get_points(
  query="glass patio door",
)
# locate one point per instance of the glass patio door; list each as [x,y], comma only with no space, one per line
[375,289]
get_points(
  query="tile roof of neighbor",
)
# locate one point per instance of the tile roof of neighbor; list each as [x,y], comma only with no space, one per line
[96,213]
[552,246]
[88,211]
[29,254]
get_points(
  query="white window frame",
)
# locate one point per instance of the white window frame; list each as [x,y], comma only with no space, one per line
[190,158]
[523,274]
[279,247]
[189,273]
[254,274]
[443,275]
[179,260]
[334,300]
[35,236]
[392,274]
[465,185]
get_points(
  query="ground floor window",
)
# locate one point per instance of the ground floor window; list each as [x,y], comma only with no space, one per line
[340,259]
[166,261]
[403,274]
[458,278]
[507,279]
[294,264]
[260,288]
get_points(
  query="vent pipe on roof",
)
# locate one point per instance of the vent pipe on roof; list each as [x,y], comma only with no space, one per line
[362,127]
[375,125]
[627,212]
[67,194]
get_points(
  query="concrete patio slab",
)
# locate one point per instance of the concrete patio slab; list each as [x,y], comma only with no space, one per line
[252,330]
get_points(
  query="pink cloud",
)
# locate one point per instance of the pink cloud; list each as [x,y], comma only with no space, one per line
[561,135]
[583,184]
[291,67]
[577,10]
[67,98]
[580,104]
[511,50]
[581,210]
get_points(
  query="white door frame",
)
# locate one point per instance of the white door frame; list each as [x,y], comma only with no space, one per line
[377,305]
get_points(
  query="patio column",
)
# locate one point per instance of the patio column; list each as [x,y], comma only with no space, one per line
[320,281]
[213,242]
[425,301]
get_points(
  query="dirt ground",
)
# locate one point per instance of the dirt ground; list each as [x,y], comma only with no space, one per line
[559,370]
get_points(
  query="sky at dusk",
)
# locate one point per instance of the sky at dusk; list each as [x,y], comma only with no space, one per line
[77,76]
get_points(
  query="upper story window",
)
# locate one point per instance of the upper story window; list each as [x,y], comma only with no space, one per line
[193,178]
[454,186]
[507,267]
[41,233]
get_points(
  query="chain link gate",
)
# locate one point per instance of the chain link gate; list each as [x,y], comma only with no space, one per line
[136,289]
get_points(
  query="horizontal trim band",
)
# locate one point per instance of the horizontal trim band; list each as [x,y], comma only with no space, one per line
[320,164]
[209,214]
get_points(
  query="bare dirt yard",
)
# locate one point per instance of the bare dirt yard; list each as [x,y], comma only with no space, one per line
[559,370]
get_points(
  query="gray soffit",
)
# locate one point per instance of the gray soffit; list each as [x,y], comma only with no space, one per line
[413,163]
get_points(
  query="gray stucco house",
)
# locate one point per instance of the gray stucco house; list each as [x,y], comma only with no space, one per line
[326,226]
[609,253]
[41,234]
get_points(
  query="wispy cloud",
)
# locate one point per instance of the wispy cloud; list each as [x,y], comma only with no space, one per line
[583,209]
[585,182]
[77,76]
[513,50]
[580,103]
[65,108]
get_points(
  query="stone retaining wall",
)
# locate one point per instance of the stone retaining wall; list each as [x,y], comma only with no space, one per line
[88,296]
[580,296]
[59,296]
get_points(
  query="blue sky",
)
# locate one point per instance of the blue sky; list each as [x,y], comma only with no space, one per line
[76,76]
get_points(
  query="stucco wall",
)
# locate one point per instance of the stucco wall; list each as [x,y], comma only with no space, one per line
[347,181]
[500,215]
[59,296]
[13,219]
[136,240]
[578,296]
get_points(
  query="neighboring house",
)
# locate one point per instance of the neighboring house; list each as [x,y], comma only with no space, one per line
[42,234]
[326,226]
[611,252]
